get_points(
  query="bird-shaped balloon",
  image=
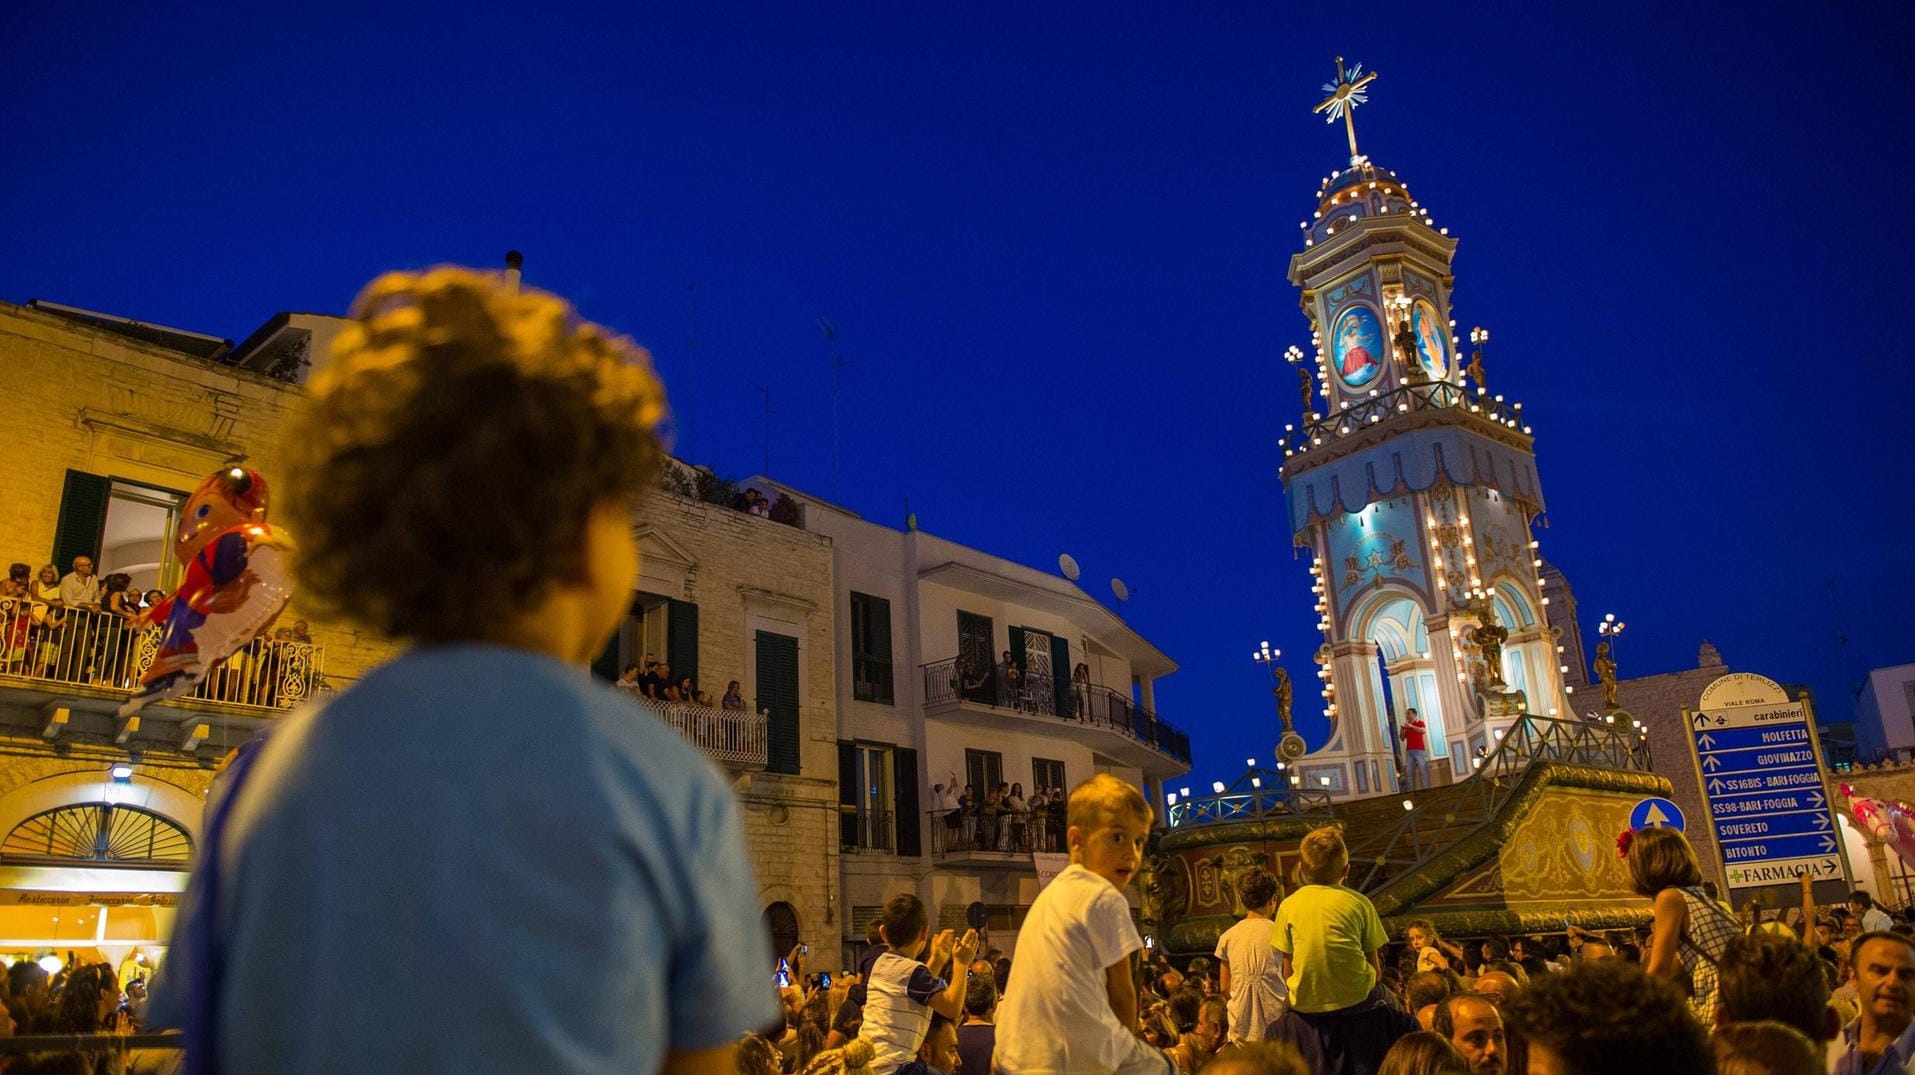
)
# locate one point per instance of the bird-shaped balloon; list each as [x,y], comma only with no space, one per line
[1889,820]
[237,582]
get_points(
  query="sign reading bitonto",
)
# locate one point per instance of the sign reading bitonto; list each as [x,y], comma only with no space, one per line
[1761,773]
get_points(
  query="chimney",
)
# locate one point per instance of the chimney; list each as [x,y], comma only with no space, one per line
[513,261]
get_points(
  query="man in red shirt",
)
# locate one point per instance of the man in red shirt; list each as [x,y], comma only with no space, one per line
[1416,755]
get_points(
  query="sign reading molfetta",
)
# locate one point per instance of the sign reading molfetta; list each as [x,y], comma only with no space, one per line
[1763,779]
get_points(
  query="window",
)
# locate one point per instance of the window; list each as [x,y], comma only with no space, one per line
[983,770]
[1046,773]
[878,798]
[777,680]
[873,772]
[660,628]
[870,649]
[122,526]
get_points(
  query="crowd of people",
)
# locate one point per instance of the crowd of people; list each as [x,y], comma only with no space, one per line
[653,680]
[83,627]
[1003,819]
[1308,983]
[77,999]
[619,926]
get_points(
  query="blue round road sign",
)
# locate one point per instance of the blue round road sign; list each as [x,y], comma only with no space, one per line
[1655,813]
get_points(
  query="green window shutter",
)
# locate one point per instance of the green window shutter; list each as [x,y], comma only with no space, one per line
[681,640]
[82,519]
[778,696]
[904,779]
[847,794]
[606,667]
[1017,648]
[1061,674]
[871,649]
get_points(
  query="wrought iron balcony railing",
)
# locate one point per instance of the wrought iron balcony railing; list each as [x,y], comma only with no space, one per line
[951,681]
[49,646]
[734,737]
[1014,833]
[1375,410]
[1249,805]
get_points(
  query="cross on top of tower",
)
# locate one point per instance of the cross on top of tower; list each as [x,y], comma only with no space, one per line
[1348,91]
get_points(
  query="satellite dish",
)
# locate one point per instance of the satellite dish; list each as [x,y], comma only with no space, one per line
[1068,566]
[1122,591]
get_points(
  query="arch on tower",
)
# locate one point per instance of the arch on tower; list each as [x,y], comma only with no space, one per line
[1394,672]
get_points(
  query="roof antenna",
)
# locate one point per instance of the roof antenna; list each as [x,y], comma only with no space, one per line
[837,450]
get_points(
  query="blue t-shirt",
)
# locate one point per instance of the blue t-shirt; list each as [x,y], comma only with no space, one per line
[480,859]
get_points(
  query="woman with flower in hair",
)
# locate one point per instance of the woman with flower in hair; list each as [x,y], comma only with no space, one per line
[1691,930]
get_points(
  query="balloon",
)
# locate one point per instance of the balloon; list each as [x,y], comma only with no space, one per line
[1889,820]
[237,582]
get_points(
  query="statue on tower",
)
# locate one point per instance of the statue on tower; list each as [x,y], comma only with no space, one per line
[1475,370]
[1283,692]
[1606,674]
[1406,350]
[1309,390]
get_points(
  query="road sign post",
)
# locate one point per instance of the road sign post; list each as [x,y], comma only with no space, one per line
[1760,766]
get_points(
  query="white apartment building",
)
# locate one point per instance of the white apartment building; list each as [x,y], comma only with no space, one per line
[924,629]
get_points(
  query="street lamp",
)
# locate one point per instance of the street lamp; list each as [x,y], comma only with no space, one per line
[1478,336]
[1611,629]
[1290,745]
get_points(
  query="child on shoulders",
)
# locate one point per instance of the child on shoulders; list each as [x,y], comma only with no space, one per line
[902,993]
[1072,1001]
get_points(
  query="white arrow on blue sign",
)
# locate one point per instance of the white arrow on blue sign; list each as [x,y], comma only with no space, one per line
[1764,790]
[1656,813]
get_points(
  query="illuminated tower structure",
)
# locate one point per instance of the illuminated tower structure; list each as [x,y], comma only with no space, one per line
[1414,490]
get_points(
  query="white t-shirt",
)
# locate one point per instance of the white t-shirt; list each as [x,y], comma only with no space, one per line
[1055,1018]
[1258,993]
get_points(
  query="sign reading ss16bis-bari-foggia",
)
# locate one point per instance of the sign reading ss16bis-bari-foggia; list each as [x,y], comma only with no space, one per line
[1761,771]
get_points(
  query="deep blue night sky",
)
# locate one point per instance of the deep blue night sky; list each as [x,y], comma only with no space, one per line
[1054,243]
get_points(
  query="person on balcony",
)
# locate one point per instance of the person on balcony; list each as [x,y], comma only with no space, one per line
[1017,819]
[16,619]
[629,680]
[1039,807]
[81,588]
[733,700]
[990,815]
[968,815]
[1080,690]
[1008,688]
[44,605]
[664,685]
[116,636]
[970,682]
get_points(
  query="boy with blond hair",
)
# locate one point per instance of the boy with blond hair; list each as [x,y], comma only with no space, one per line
[1072,1002]
[1331,941]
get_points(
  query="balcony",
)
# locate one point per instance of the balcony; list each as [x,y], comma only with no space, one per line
[1002,842]
[1101,718]
[72,668]
[1351,421]
[734,738]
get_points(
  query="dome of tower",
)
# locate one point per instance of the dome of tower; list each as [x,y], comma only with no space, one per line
[1361,190]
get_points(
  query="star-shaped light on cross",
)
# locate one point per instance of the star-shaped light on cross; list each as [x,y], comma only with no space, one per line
[1346,93]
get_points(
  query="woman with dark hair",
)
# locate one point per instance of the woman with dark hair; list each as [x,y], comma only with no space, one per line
[120,609]
[1691,931]
[732,700]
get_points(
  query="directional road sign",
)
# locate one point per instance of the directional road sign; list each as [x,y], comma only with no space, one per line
[1764,785]
[1656,813]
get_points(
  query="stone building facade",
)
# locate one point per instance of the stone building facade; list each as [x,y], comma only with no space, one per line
[127,417]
